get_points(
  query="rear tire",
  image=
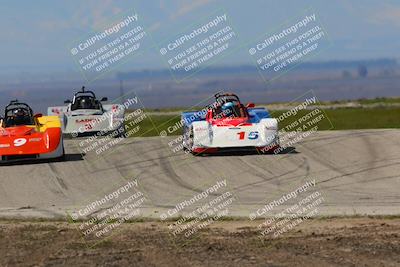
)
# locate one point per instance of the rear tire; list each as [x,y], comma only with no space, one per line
[58,159]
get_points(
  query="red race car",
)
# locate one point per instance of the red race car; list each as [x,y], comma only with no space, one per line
[229,125]
[24,136]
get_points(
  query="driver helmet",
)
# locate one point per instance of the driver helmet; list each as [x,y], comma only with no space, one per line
[84,103]
[19,113]
[227,108]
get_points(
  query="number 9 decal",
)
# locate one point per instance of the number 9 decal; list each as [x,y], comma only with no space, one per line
[19,142]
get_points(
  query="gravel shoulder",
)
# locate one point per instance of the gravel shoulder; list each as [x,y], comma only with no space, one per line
[318,242]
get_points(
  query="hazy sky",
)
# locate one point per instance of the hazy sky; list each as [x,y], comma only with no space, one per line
[35,34]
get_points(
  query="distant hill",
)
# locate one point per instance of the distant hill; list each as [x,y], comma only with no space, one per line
[383,63]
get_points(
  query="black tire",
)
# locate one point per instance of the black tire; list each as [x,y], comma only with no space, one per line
[63,157]
[59,159]
[190,139]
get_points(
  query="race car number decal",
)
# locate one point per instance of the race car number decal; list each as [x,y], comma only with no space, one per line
[251,135]
[88,126]
[20,142]
[241,135]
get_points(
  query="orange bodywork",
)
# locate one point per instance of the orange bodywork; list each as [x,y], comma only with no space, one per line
[43,137]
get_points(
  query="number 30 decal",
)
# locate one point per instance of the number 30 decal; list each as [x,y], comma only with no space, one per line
[19,142]
[251,136]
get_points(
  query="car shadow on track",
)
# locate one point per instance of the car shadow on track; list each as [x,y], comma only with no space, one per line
[287,150]
[66,158]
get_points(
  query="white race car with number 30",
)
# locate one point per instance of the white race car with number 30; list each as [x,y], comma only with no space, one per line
[85,115]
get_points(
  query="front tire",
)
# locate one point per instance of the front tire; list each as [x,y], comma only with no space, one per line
[62,158]
[188,140]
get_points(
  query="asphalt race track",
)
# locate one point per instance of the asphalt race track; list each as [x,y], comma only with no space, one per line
[356,172]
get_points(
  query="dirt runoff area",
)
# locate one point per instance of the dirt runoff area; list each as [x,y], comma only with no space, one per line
[317,242]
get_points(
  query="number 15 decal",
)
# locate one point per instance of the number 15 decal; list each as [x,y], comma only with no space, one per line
[251,135]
